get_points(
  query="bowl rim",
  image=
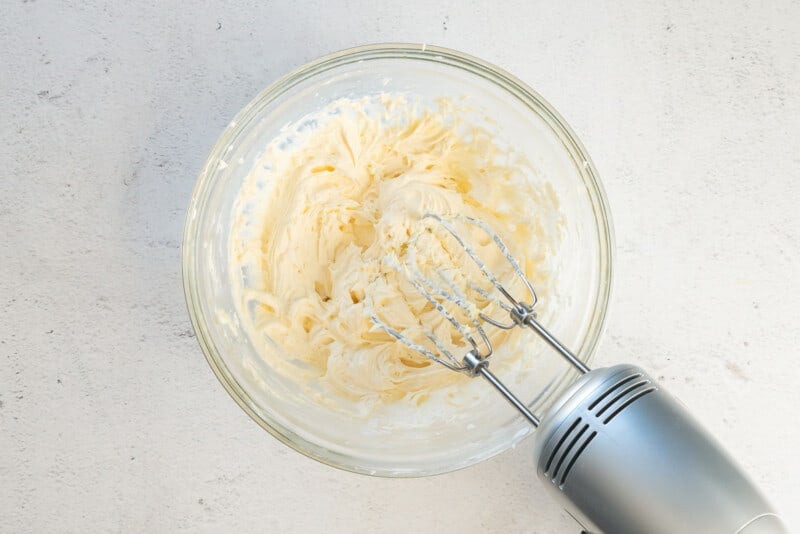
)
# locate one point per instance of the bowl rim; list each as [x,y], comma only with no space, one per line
[424,52]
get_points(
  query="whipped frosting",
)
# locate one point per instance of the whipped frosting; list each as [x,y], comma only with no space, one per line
[326,213]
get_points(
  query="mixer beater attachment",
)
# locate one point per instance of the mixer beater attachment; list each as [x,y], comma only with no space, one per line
[451,300]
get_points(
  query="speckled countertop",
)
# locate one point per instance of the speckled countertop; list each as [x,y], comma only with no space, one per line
[110,419]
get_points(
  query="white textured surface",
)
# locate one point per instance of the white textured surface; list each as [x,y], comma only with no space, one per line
[110,419]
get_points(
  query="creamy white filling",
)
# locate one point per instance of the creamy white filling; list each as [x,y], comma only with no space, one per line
[328,202]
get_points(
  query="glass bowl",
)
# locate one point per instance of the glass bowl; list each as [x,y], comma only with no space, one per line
[575,313]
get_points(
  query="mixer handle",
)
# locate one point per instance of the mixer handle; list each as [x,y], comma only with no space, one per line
[624,456]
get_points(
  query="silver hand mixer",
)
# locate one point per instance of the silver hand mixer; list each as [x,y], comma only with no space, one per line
[616,450]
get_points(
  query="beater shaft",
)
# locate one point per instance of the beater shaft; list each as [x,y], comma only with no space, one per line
[510,397]
[477,365]
[553,342]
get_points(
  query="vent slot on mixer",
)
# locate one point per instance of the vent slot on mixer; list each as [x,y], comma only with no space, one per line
[631,388]
[567,450]
[620,395]
[627,402]
[575,444]
[613,388]
[575,459]
[559,444]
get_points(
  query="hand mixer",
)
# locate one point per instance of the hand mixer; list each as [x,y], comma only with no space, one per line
[616,450]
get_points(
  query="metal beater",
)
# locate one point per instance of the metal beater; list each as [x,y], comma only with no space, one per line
[616,450]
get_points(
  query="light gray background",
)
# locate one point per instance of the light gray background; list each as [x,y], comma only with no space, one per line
[111,420]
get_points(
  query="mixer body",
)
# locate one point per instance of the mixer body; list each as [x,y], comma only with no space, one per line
[618,451]
[623,456]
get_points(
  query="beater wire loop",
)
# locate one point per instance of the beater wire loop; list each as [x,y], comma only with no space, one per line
[448,291]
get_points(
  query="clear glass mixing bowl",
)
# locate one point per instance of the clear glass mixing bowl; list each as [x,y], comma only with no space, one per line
[522,119]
